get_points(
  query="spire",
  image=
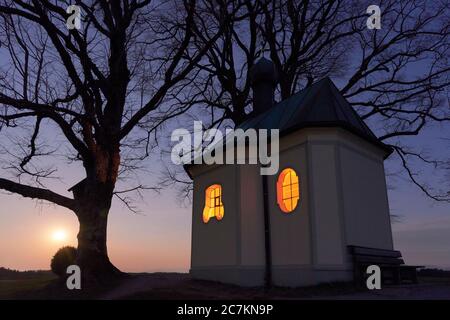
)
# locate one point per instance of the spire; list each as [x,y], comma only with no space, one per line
[263,78]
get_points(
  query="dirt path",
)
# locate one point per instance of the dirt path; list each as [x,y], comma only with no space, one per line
[181,286]
[147,282]
[423,291]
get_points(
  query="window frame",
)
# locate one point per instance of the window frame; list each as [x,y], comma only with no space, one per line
[218,210]
[279,189]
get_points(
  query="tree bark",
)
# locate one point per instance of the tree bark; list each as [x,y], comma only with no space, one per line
[92,253]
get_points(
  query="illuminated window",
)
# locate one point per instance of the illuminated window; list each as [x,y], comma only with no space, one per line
[288,190]
[213,203]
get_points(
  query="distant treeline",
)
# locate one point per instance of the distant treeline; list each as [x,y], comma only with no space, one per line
[434,272]
[9,274]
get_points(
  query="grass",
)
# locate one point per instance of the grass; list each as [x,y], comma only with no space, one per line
[9,289]
[435,280]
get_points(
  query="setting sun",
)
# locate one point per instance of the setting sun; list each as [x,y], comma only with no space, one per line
[59,235]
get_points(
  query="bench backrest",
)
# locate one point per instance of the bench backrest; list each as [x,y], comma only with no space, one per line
[375,256]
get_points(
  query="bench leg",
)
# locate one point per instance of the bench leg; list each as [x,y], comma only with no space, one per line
[358,275]
[396,275]
[414,276]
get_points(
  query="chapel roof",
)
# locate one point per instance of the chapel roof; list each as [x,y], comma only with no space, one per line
[319,105]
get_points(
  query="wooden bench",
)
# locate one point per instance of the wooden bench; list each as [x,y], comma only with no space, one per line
[393,268]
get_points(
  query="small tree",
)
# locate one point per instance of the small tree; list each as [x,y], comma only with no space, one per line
[63,258]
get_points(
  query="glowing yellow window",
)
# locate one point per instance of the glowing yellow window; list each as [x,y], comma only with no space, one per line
[213,203]
[288,190]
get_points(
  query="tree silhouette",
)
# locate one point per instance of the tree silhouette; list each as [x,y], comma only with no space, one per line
[395,77]
[106,87]
[134,64]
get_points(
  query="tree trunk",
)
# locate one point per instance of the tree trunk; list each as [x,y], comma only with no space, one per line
[94,196]
[92,253]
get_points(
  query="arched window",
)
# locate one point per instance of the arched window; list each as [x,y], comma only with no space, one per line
[213,203]
[288,190]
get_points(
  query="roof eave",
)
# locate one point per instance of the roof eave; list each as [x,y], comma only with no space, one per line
[387,149]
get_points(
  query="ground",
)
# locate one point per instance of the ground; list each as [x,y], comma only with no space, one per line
[180,286]
[12,288]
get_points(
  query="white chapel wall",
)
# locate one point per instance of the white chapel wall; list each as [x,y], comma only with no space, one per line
[366,208]
[290,232]
[216,242]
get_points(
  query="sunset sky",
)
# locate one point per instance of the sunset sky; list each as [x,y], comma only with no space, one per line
[159,238]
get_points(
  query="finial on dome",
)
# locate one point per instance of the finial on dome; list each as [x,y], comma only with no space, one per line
[263,76]
[263,70]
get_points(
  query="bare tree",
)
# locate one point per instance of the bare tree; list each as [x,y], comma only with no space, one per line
[395,77]
[106,88]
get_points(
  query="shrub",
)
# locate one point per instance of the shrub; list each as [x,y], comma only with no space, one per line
[63,258]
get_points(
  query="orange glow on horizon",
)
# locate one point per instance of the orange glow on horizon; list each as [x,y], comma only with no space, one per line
[136,243]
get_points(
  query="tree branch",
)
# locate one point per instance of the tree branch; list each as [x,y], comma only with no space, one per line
[37,193]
